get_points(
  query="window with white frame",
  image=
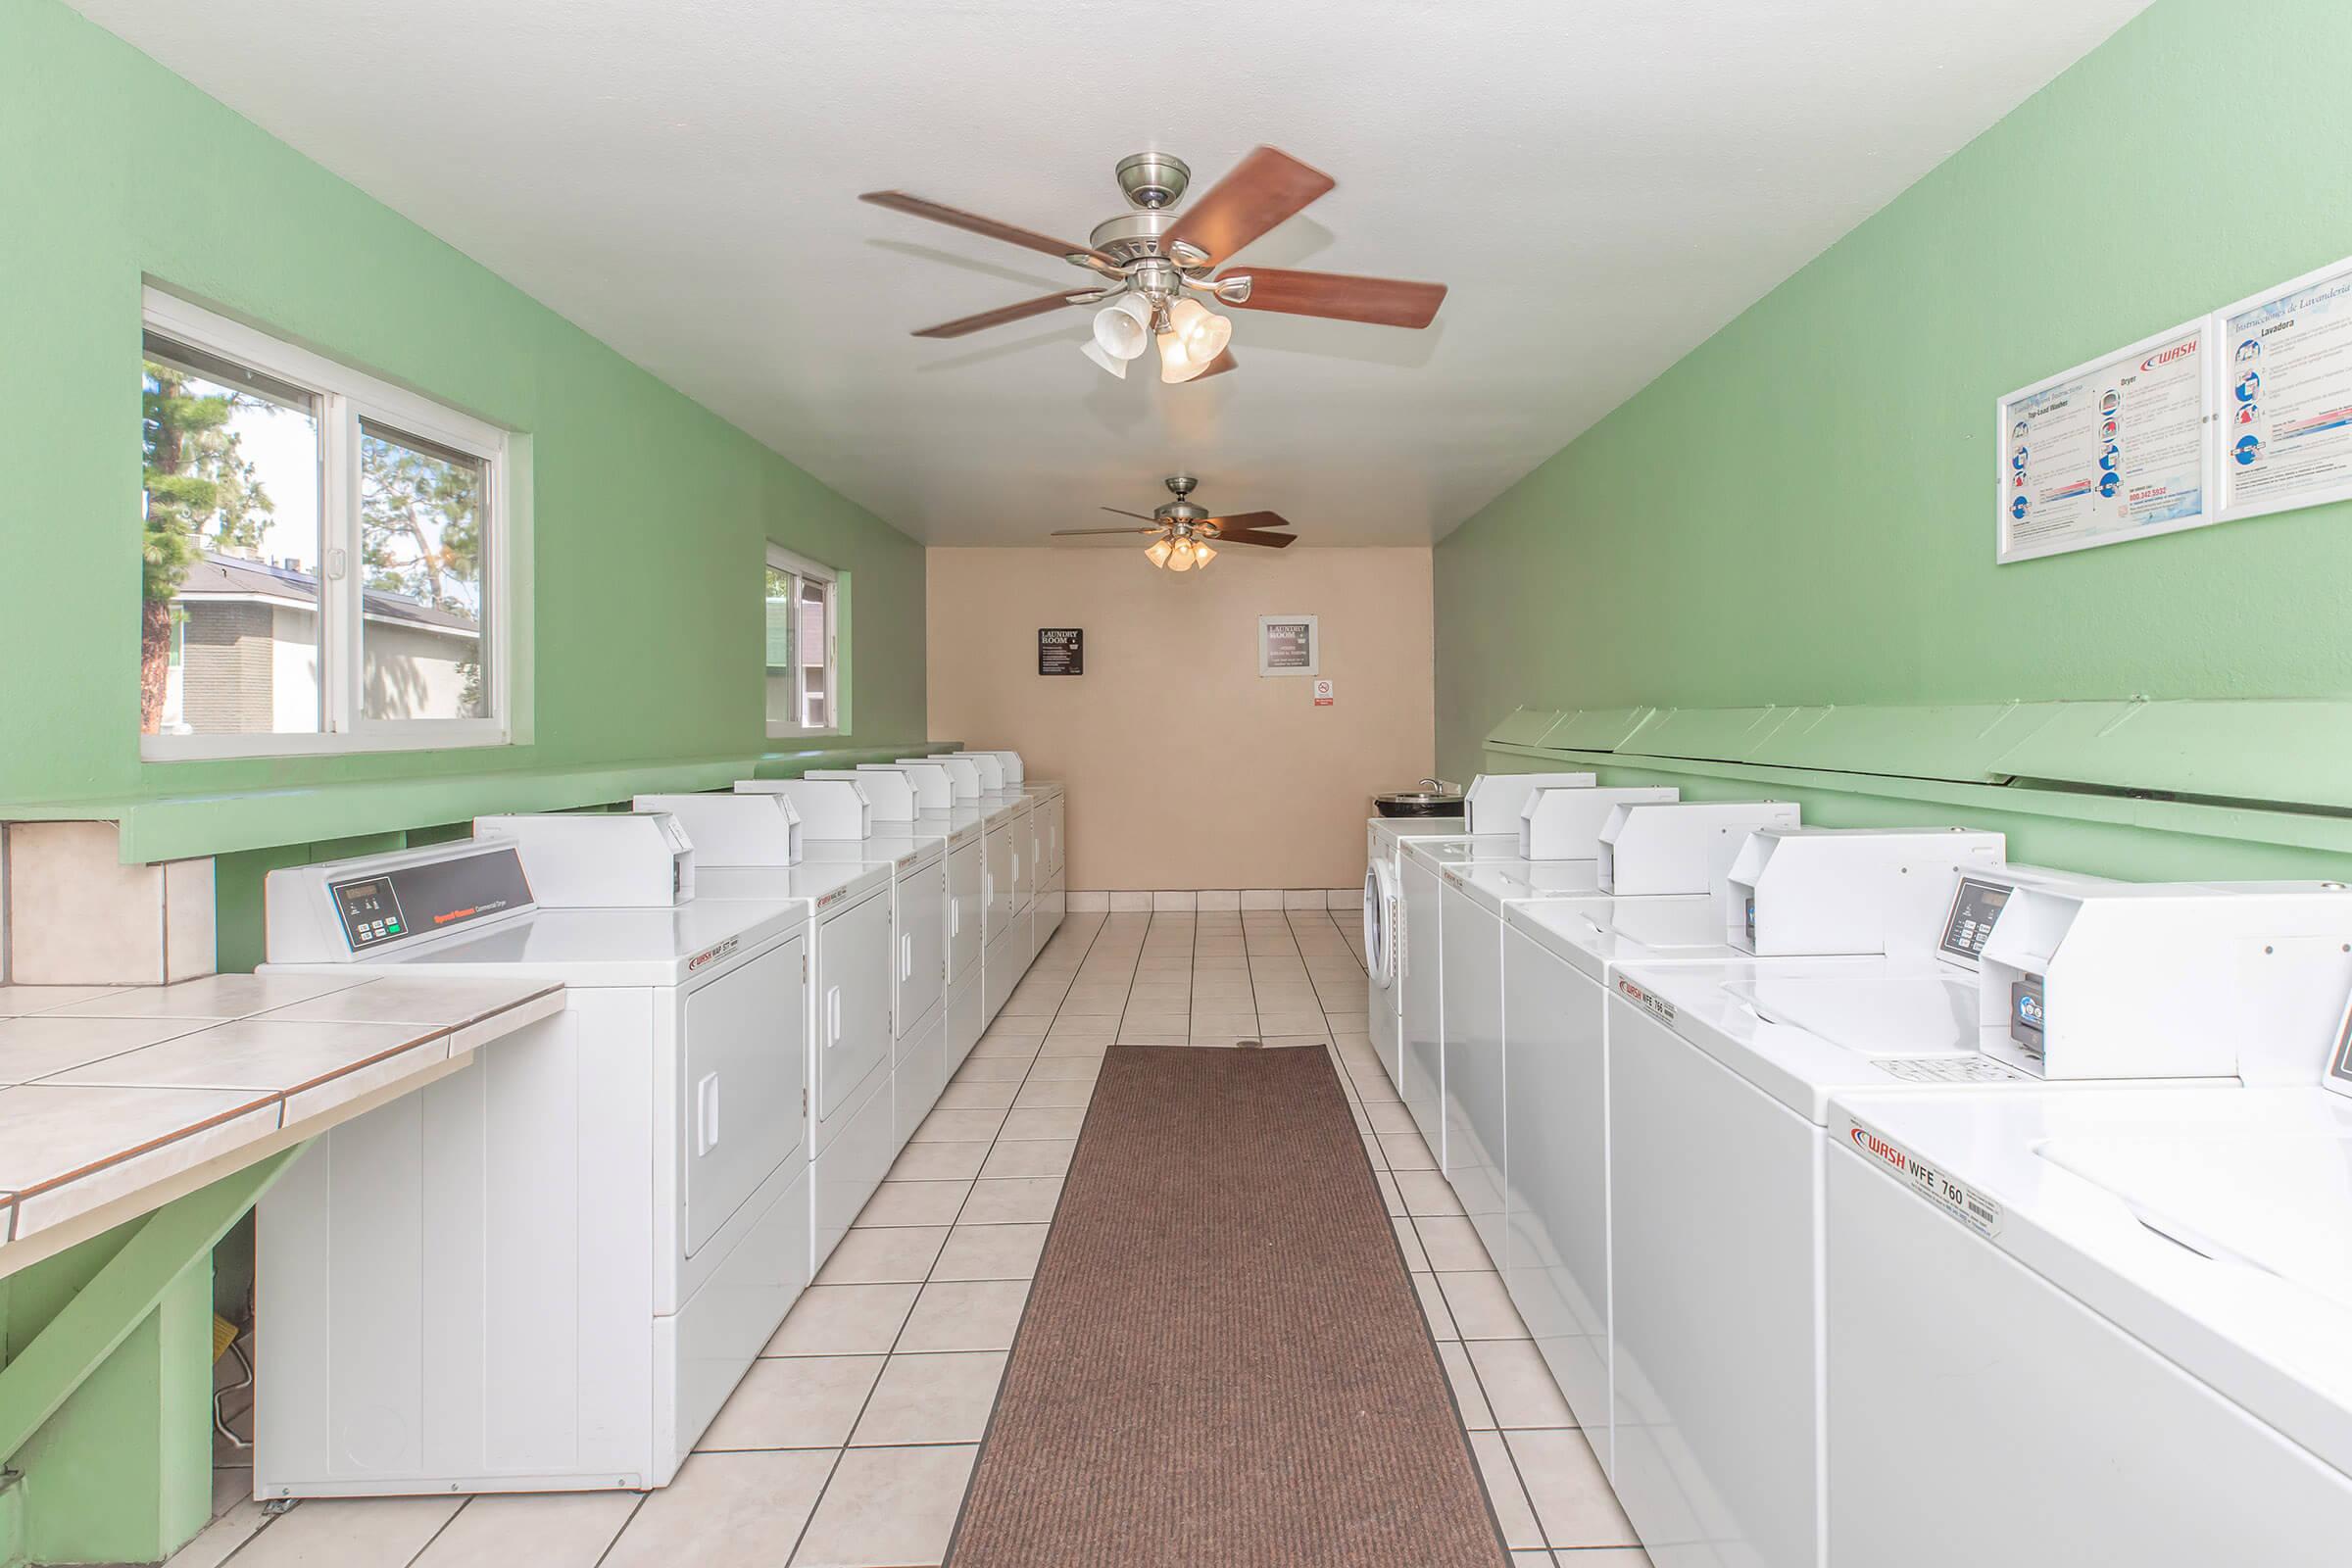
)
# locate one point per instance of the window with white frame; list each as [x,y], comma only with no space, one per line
[804,646]
[327,559]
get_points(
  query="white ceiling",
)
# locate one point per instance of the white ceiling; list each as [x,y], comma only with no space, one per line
[1603,185]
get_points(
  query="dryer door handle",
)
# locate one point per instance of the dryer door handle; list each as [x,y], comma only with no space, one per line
[706,1105]
[833,1016]
[906,954]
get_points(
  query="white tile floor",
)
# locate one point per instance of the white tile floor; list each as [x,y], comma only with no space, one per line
[851,1439]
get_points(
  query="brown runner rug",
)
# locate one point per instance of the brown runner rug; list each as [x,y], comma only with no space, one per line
[1223,1363]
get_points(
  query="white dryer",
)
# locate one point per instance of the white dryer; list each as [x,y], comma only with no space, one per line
[1048,889]
[1009,868]
[853,962]
[546,1273]
[917,854]
[965,825]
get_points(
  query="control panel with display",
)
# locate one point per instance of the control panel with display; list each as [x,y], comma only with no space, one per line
[1975,907]
[422,900]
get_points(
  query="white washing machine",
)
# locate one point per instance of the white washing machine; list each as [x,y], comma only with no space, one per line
[1490,808]
[1674,847]
[1555,854]
[959,826]
[2114,1320]
[1720,1418]
[1559,958]
[855,958]
[546,1273]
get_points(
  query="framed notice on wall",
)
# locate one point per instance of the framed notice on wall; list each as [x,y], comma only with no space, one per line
[2282,379]
[1288,645]
[2112,449]
[1060,651]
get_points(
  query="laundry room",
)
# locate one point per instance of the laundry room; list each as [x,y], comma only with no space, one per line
[926,786]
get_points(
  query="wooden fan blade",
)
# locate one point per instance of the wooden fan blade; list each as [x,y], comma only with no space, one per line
[899,201]
[1381,300]
[1250,519]
[1219,366]
[1263,190]
[1140,516]
[1072,533]
[999,316]
[1251,536]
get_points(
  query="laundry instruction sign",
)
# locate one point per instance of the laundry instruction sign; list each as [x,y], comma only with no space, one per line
[1061,649]
[1288,645]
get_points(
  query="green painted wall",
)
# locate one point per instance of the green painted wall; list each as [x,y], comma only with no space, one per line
[1801,509]
[650,512]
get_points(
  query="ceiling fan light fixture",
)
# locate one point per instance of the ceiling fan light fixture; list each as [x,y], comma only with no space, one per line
[1175,364]
[1203,553]
[1123,327]
[1160,552]
[1203,333]
[1180,559]
[1094,352]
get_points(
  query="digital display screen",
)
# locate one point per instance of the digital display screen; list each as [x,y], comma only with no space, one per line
[1975,908]
[419,899]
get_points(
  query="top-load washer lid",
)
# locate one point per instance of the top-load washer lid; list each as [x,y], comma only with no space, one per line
[1492,884]
[1886,1030]
[1461,851]
[1596,932]
[1918,1007]
[2281,1204]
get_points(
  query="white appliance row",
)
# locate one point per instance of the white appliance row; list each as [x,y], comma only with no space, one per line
[1710,1134]
[549,1272]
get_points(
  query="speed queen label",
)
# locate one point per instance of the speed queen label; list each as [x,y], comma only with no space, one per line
[1954,1196]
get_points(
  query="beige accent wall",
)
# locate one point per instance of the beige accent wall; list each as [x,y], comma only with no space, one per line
[1186,770]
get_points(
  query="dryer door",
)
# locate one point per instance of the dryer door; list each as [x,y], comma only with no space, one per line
[744,1062]
[922,955]
[853,999]
[1379,924]
[965,913]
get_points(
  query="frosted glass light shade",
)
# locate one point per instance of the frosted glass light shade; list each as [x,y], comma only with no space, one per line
[1123,327]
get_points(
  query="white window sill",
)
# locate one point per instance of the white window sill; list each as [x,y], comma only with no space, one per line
[422,736]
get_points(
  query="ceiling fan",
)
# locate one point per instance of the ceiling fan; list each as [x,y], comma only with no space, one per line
[1186,536]
[1155,264]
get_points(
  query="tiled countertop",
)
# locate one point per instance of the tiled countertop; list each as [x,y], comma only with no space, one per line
[108,1092]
